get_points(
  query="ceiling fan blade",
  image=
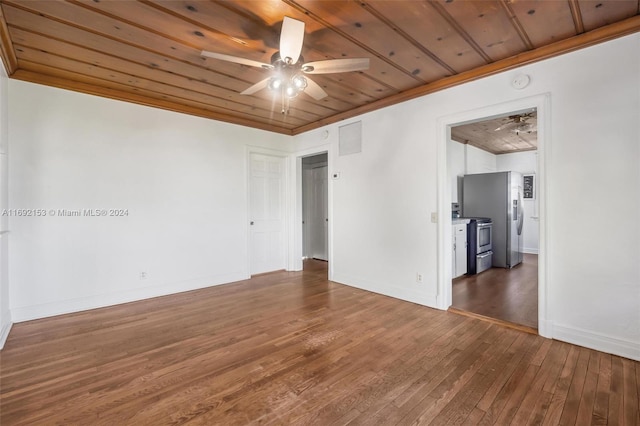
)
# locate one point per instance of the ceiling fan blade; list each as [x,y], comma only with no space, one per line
[336,65]
[236,60]
[291,38]
[526,128]
[505,126]
[256,87]
[314,90]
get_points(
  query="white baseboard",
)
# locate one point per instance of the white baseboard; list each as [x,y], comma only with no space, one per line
[27,313]
[545,328]
[405,294]
[599,342]
[4,333]
[530,250]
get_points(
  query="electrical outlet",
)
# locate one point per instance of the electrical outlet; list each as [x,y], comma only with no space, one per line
[418,277]
[143,275]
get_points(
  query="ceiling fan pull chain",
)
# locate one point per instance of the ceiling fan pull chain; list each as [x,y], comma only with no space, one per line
[282,99]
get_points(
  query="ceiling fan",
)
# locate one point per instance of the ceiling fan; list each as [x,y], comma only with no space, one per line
[518,123]
[289,68]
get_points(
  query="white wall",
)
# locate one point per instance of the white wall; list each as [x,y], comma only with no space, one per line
[456,168]
[5,314]
[181,178]
[480,161]
[525,163]
[382,233]
[465,159]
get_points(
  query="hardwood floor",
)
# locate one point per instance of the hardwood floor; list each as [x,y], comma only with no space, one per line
[294,348]
[506,294]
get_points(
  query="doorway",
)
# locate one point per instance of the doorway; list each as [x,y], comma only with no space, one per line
[449,182]
[489,161]
[315,218]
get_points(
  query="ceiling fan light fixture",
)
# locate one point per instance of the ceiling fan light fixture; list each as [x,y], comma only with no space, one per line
[291,91]
[299,82]
[275,83]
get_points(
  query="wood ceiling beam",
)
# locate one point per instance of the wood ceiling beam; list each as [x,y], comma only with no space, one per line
[372,10]
[599,35]
[6,47]
[516,24]
[461,31]
[576,14]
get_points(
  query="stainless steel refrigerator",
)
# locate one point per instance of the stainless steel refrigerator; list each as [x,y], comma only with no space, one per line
[499,197]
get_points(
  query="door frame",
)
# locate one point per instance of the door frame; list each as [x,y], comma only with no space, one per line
[295,258]
[542,103]
[285,198]
[307,190]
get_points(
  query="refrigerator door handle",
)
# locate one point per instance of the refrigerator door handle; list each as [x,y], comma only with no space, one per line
[520,214]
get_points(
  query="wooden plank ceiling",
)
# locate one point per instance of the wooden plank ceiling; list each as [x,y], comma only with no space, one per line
[148,51]
[501,135]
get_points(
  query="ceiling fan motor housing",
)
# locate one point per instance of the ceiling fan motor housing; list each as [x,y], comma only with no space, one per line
[288,78]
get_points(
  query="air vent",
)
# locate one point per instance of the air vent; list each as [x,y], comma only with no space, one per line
[350,138]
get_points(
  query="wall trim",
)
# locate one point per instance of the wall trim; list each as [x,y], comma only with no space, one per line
[4,334]
[597,341]
[27,313]
[401,293]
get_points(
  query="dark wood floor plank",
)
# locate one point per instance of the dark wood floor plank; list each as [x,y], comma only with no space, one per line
[505,403]
[601,403]
[616,393]
[518,349]
[433,407]
[506,294]
[517,395]
[552,367]
[631,393]
[540,409]
[463,403]
[561,388]
[550,359]
[474,417]
[587,399]
[638,389]
[295,348]
[574,394]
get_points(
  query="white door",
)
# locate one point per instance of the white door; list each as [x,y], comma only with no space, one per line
[319,227]
[266,213]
